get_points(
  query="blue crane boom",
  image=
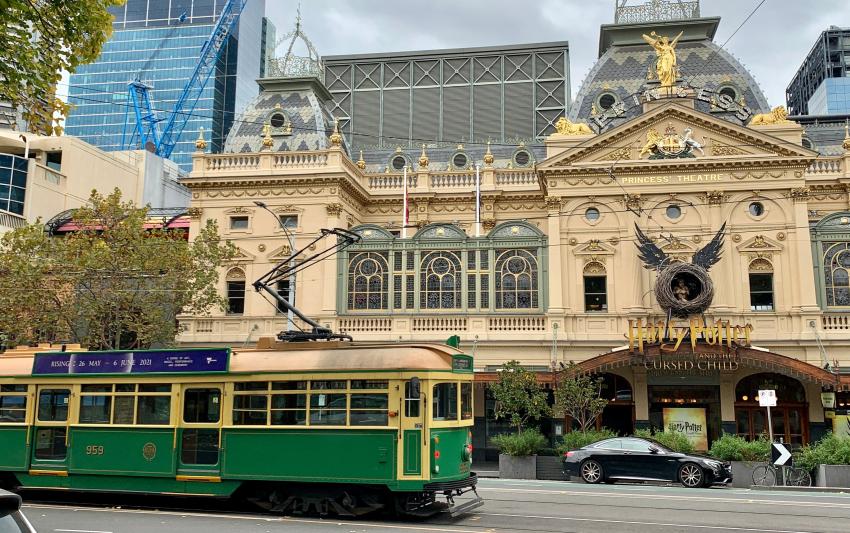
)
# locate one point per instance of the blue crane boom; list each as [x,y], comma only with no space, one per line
[146,126]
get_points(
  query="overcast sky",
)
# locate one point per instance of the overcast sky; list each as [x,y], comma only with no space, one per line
[772,44]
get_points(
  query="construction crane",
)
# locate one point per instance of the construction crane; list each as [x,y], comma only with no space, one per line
[147,127]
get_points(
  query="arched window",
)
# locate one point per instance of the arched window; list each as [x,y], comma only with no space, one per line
[516,279]
[368,281]
[235,281]
[595,287]
[836,265]
[440,281]
[788,390]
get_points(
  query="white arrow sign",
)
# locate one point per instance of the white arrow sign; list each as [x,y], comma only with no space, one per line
[780,454]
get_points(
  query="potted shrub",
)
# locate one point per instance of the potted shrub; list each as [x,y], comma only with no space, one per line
[743,455]
[519,399]
[828,460]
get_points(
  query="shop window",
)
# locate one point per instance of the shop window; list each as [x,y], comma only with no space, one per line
[445,401]
[761,291]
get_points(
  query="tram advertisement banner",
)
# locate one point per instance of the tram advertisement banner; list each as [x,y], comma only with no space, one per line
[690,422]
[202,360]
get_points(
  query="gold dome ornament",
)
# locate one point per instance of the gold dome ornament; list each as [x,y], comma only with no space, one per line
[336,137]
[200,142]
[361,164]
[423,158]
[488,156]
[267,136]
[846,143]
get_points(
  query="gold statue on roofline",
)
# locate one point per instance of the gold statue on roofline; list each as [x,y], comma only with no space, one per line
[666,67]
[565,126]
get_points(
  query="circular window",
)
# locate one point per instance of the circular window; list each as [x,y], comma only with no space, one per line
[522,158]
[516,265]
[441,266]
[369,267]
[592,213]
[730,92]
[459,160]
[278,120]
[607,100]
[756,209]
[807,143]
[673,211]
[399,162]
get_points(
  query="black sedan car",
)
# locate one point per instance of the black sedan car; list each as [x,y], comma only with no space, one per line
[634,459]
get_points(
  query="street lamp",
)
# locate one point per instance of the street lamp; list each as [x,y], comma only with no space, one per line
[290,297]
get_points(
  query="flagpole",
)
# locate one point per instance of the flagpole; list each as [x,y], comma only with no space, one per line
[477,201]
[404,205]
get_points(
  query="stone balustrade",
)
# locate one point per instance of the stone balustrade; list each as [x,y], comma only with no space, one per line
[826,167]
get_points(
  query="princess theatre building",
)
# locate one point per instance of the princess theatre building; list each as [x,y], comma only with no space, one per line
[551,273]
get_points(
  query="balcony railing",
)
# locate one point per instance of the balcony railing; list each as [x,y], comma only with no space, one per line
[826,167]
[835,322]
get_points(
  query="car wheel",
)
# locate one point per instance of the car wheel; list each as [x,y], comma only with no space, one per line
[691,475]
[591,471]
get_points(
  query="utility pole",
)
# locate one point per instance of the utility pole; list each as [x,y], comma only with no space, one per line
[290,297]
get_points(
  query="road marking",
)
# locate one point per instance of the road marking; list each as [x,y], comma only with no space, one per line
[81,531]
[244,517]
[636,523]
[712,499]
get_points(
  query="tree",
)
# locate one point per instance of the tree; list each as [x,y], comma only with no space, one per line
[40,40]
[580,396]
[113,283]
[519,398]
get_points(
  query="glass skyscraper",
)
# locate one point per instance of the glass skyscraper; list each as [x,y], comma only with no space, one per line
[151,42]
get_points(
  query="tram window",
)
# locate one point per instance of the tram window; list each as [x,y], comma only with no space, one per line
[199,446]
[328,409]
[411,404]
[445,401]
[125,387]
[250,409]
[466,401]
[327,385]
[53,405]
[13,404]
[289,409]
[125,410]
[369,409]
[154,410]
[50,444]
[369,384]
[202,406]
[95,409]
[251,385]
[154,387]
[289,385]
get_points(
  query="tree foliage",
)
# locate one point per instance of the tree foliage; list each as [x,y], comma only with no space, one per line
[42,38]
[519,398]
[113,283]
[580,396]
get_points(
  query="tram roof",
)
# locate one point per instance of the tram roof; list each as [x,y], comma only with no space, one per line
[300,357]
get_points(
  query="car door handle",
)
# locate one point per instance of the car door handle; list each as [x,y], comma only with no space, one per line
[627,453]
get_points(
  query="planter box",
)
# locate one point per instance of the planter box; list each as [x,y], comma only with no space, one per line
[511,467]
[742,473]
[832,476]
[550,467]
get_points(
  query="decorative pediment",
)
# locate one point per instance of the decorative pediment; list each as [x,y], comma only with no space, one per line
[242,256]
[594,247]
[678,249]
[673,135]
[239,210]
[281,253]
[759,243]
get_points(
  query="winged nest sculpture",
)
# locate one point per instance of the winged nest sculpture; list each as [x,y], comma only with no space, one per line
[681,288]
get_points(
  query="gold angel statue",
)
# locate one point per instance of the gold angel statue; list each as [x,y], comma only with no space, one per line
[665,51]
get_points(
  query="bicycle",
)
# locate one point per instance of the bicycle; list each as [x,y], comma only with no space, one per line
[766,475]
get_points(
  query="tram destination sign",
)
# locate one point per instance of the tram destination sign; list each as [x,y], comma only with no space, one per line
[187,361]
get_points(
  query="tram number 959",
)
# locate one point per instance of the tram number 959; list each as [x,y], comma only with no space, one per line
[94,450]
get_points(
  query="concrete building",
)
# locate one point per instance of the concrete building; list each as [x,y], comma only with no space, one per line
[150,41]
[42,177]
[821,85]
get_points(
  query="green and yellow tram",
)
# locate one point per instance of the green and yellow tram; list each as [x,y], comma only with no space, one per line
[327,427]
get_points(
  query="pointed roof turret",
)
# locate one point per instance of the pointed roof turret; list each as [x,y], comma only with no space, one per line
[291,64]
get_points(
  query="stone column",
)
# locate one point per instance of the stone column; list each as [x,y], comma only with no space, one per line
[329,267]
[800,249]
[556,266]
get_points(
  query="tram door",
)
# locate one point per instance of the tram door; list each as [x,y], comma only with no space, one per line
[50,432]
[413,436]
[199,434]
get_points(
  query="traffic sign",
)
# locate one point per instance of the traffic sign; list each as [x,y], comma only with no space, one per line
[779,454]
[767,398]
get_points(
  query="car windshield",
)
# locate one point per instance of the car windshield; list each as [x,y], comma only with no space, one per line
[8,524]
